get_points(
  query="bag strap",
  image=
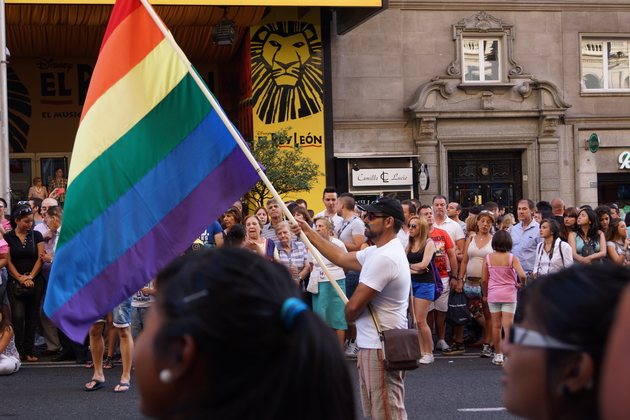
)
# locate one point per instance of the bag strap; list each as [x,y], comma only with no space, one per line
[377,323]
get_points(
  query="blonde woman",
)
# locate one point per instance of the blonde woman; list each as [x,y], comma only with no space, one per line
[420,253]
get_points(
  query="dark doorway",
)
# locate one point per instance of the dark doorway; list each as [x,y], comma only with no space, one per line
[614,188]
[482,176]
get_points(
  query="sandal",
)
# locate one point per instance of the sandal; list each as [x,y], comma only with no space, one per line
[89,365]
[108,363]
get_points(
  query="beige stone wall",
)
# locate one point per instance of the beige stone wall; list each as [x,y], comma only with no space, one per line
[378,67]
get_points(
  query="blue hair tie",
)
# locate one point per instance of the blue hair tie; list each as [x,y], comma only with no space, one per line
[290,309]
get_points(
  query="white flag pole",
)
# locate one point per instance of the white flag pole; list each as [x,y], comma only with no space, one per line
[239,141]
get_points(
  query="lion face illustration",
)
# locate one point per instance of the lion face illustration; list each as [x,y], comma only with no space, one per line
[287,76]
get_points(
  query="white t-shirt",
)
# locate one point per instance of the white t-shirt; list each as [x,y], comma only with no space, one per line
[337,220]
[403,237]
[453,228]
[140,300]
[335,271]
[386,270]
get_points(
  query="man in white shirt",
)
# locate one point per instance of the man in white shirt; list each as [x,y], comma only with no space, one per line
[455,231]
[385,283]
[352,233]
[330,201]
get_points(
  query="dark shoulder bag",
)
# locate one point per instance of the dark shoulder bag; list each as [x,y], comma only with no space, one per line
[401,348]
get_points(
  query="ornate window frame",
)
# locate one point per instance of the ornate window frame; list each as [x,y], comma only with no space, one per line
[485,26]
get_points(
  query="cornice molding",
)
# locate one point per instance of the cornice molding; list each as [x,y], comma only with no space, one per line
[369,124]
[555,6]
[607,121]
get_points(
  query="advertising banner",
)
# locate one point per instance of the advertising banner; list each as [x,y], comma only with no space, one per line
[288,86]
[46,96]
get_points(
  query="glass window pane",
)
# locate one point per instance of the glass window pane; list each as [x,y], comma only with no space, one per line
[592,64]
[20,169]
[491,60]
[617,64]
[471,59]
[50,165]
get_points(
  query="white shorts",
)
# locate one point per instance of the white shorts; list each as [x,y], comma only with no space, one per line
[441,304]
[496,307]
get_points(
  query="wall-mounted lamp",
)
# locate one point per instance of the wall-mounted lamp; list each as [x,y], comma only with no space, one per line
[355,165]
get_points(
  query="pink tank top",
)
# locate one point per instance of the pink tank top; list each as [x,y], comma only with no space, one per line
[501,283]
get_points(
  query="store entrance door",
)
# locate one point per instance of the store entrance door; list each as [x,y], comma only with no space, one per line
[479,177]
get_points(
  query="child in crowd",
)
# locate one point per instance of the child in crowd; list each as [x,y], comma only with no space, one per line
[9,356]
[140,303]
[499,285]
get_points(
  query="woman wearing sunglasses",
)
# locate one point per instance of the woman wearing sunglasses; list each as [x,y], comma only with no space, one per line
[24,267]
[555,355]
[420,253]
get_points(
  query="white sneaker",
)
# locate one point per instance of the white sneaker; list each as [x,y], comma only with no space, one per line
[426,359]
[352,350]
[498,360]
[441,345]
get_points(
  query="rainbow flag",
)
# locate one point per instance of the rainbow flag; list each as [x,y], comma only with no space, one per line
[153,165]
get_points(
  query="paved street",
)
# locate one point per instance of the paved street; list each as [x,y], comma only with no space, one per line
[462,387]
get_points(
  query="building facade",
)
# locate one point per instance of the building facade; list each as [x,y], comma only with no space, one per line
[493,101]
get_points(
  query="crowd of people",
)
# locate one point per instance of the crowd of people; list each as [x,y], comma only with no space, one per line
[389,254]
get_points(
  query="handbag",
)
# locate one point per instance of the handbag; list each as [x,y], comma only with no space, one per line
[20,291]
[313,285]
[457,312]
[400,347]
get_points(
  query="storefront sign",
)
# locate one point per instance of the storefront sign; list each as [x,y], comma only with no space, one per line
[624,160]
[593,143]
[382,177]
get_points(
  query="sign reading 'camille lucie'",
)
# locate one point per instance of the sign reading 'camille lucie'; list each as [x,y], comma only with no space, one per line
[624,160]
[382,177]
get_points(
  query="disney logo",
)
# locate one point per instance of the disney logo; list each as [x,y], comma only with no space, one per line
[46,64]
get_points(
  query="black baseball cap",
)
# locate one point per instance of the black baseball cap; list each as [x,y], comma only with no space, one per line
[387,205]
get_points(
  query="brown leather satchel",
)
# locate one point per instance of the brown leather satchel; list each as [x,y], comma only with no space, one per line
[401,348]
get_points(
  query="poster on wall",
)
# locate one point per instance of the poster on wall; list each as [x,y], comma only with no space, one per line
[46,96]
[288,86]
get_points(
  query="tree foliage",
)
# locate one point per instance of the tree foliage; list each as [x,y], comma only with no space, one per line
[287,170]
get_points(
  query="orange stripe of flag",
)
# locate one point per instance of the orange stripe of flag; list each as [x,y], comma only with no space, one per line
[135,37]
[122,9]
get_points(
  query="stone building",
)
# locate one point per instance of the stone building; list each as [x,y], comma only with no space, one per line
[493,101]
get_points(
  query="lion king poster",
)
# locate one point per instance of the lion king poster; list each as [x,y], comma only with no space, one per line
[288,85]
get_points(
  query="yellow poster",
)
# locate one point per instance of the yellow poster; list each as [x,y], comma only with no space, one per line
[288,86]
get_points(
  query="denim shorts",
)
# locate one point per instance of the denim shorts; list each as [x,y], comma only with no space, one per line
[424,291]
[122,314]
